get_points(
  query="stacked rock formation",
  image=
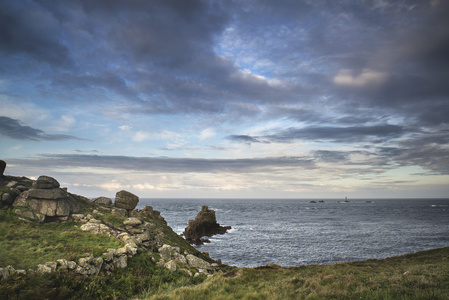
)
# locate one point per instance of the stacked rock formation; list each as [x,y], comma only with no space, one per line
[46,201]
[125,202]
[205,224]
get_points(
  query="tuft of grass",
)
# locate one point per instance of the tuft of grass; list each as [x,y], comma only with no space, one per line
[26,244]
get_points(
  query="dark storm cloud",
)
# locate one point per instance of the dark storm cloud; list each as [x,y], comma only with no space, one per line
[167,164]
[161,56]
[31,31]
[13,129]
[411,49]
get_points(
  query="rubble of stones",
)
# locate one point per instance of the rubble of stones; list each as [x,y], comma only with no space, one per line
[43,200]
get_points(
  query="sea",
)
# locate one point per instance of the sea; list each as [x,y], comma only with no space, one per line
[294,232]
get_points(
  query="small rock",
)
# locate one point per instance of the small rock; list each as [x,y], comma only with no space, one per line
[120,212]
[171,265]
[43,269]
[52,265]
[132,222]
[11,184]
[78,217]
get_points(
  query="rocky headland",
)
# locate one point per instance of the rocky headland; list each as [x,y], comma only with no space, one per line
[204,225]
[43,200]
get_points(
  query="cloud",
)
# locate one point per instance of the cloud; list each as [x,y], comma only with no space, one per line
[13,129]
[167,164]
[244,139]
[349,134]
[207,133]
[141,136]
[34,32]
[367,78]
[125,127]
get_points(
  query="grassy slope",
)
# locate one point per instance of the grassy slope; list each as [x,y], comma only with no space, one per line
[424,275]
[24,245]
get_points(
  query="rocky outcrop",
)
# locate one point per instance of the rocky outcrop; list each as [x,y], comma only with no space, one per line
[47,201]
[173,259]
[205,224]
[126,200]
[138,230]
[103,201]
[2,167]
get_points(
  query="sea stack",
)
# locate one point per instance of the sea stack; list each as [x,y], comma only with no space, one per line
[205,224]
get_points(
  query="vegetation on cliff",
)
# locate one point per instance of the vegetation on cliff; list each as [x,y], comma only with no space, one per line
[423,275]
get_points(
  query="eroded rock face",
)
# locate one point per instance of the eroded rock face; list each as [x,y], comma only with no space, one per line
[205,224]
[126,200]
[46,182]
[46,199]
[103,201]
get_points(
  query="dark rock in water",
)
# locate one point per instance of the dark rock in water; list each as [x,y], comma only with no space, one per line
[126,200]
[205,224]
[2,167]
[46,182]
[103,201]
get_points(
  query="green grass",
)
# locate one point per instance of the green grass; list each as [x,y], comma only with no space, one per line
[26,244]
[141,278]
[424,275]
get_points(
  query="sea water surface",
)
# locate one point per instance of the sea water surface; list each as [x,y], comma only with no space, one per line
[292,232]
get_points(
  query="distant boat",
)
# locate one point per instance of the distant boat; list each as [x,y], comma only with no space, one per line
[346,199]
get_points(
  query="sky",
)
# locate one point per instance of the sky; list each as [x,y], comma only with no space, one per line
[225,99]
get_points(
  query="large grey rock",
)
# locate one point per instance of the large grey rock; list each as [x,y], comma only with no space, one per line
[126,200]
[46,182]
[103,201]
[197,262]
